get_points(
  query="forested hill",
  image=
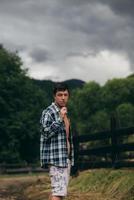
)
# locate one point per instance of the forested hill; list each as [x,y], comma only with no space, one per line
[47,86]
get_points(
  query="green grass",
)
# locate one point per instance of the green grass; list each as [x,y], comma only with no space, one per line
[116,184]
[100,184]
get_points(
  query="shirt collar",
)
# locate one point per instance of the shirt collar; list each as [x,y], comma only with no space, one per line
[56,107]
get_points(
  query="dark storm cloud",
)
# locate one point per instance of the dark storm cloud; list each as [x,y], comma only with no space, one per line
[57,30]
[40,55]
[123,7]
[111,34]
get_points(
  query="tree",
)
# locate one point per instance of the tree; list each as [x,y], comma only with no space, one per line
[116,92]
[21,103]
[126,114]
[84,103]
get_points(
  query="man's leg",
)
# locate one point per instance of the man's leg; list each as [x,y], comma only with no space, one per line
[57,198]
[50,197]
[59,182]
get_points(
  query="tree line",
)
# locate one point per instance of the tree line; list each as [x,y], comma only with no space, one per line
[93,105]
[22,100]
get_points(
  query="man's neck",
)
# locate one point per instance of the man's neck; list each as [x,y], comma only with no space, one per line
[59,105]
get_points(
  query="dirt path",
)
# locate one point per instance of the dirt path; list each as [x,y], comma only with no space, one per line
[36,188]
[12,188]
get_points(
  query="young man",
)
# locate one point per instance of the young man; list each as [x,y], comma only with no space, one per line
[56,147]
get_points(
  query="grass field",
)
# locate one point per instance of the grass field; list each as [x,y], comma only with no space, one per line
[89,185]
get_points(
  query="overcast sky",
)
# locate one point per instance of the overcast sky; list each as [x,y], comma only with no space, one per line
[65,39]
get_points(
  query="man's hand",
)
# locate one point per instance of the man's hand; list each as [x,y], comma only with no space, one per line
[63,112]
[67,125]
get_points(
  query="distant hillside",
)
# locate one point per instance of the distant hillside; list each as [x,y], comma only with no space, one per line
[72,83]
[131,76]
[47,86]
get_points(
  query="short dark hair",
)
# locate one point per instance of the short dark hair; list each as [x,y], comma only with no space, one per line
[60,86]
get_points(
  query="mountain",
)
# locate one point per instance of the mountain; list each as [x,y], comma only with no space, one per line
[72,83]
[131,76]
[47,86]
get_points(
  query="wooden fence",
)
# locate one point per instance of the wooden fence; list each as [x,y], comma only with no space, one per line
[114,153]
[21,168]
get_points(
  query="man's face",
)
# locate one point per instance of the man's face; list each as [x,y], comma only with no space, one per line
[61,98]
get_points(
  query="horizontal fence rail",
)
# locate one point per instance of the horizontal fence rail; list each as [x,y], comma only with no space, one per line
[20,169]
[105,134]
[110,155]
[115,154]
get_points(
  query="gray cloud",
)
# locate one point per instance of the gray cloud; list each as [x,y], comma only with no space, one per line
[40,55]
[123,7]
[53,32]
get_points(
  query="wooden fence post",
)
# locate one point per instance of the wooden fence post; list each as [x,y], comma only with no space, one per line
[74,170]
[114,139]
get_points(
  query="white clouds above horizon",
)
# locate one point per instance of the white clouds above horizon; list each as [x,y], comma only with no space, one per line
[58,40]
[104,62]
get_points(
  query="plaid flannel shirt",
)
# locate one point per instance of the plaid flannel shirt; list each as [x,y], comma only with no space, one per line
[53,141]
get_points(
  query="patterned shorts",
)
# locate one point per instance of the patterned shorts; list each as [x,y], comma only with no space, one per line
[59,179]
